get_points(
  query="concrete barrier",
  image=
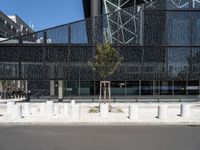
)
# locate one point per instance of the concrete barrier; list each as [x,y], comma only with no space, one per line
[162,111]
[16,112]
[42,109]
[66,109]
[103,110]
[11,100]
[56,109]
[73,102]
[133,112]
[49,109]
[10,107]
[185,110]
[75,113]
[34,110]
[26,109]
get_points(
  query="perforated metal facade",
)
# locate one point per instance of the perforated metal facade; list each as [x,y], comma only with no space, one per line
[159,42]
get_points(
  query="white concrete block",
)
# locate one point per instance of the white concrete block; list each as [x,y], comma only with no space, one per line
[56,109]
[185,110]
[10,107]
[49,109]
[73,102]
[133,112]
[66,109]
[75,113]
[103,110]
[26,109]
[162,111]
[16,112]
[34,110]
[42,107]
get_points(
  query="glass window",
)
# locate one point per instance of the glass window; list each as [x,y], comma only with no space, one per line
[166,88]
[147,87]
[2,22]
[179,87]
[118,88]
[132,88]
[193,87]
[87,88]
[71,88]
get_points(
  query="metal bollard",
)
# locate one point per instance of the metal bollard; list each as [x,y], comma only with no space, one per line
[10,107]
[49,109]
[16,112]
[103,110]
[75,112]
[162,111]
[26,110]
[185,110]
[133,112]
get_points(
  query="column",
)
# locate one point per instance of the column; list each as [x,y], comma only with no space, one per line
[140,88]
[18,84]
[60,90]
[52,88]
[95,8]
[1,88]
[95,11]
[140,9]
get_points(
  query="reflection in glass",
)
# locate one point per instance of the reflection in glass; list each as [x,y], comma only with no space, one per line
[147,87]
[166,88]
[193,87]
[179,87]
[87,88]
[72,88]
[118,87]
[132,88]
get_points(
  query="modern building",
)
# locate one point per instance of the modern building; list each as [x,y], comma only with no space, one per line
[159,41]
[12,26]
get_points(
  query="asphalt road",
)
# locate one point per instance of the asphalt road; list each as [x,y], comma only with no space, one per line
[99,137]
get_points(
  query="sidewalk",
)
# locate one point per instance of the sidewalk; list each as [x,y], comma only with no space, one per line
[147,114]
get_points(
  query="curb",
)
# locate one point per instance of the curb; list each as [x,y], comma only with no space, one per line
[99,123]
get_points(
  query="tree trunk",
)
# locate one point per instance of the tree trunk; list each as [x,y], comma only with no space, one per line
[109,97]
[106,85]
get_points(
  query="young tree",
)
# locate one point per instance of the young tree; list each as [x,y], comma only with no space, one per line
[105,62]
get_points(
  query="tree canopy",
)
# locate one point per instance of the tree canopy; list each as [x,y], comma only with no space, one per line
[106,60]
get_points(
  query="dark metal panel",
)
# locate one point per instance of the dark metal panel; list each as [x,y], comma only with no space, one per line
[72,63]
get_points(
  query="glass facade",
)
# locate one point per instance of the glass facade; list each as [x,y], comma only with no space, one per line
[118,88]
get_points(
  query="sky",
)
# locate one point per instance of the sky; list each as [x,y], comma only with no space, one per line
[44,13]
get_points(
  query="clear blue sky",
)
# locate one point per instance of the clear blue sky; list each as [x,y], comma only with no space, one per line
[44,13]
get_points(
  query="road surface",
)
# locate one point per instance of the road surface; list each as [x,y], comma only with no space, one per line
[99,137]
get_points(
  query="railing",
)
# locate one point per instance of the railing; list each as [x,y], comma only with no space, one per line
[153,24]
